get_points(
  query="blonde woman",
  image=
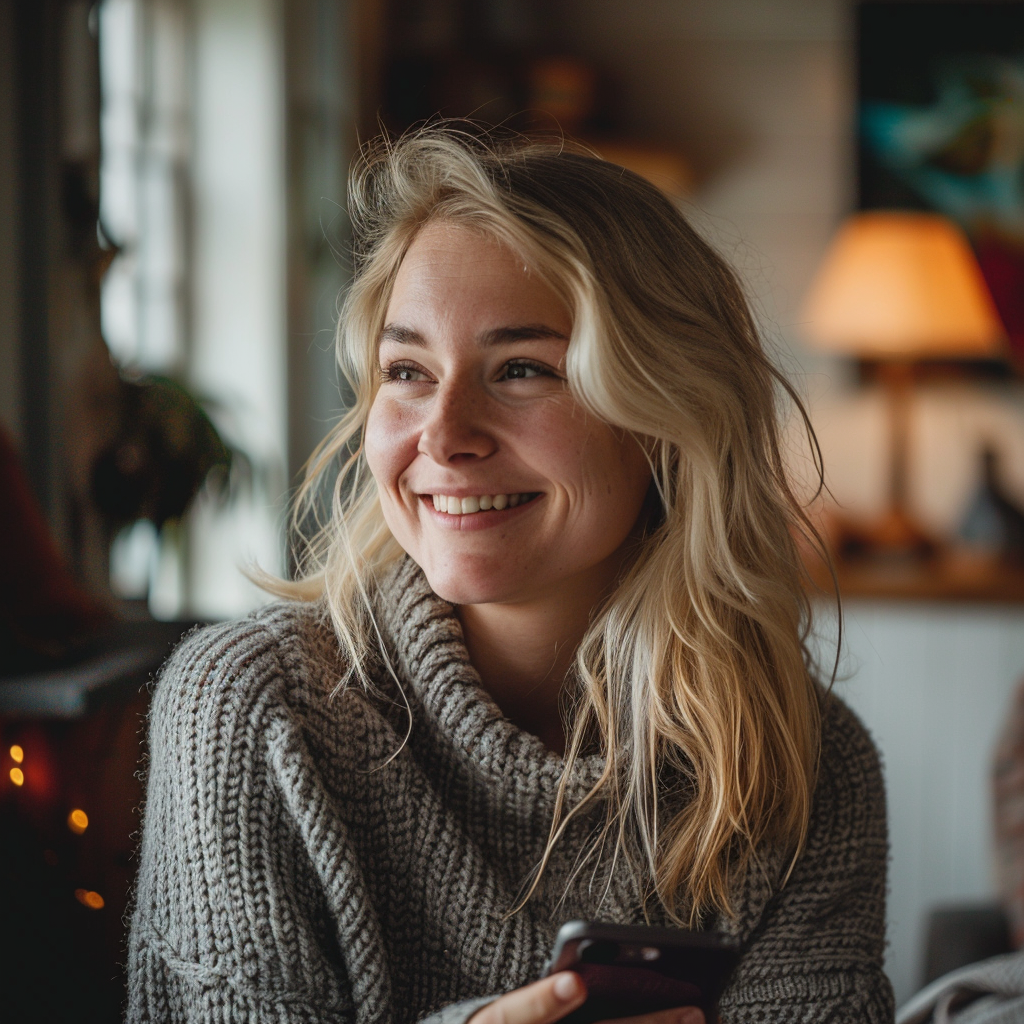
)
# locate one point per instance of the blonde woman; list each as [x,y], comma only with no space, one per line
[544,662]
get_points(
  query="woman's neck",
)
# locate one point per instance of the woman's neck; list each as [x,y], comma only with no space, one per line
[523,653]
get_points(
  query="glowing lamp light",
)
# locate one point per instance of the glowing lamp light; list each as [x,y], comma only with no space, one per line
[17,754]
[902,285]
[17,776]
[90,899]
[78,821]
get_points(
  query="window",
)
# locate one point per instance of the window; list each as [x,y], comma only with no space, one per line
[192,189]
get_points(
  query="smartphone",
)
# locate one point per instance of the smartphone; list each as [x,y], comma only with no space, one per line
[632,969]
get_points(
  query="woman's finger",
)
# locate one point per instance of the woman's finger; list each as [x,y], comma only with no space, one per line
[544,1002]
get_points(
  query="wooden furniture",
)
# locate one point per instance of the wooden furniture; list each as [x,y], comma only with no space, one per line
[951,575]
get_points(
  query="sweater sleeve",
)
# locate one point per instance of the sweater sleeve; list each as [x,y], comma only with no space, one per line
[816,953]
[229,921]
[249,905]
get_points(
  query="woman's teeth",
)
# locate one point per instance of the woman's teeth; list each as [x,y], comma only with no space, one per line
[485,502]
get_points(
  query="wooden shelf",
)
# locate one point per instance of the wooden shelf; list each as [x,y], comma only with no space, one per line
[952,576]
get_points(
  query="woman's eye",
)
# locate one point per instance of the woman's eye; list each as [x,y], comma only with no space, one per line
[402,373]
[524,370]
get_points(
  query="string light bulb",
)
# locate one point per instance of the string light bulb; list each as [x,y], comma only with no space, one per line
[17,754]
[90,899]
[17,776]
[78,821]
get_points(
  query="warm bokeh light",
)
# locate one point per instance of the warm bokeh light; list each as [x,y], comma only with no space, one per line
[78,821]
[17,754]
[901,285]
[90,899]
[17,776]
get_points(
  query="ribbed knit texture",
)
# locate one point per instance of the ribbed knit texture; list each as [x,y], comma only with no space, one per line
[289,875]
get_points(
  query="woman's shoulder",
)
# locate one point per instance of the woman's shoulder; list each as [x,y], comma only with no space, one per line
[275,634]
[849,757]
[847,824]
[283,655]
[849,808]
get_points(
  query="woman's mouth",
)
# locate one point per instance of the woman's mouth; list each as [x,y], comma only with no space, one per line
[481,503]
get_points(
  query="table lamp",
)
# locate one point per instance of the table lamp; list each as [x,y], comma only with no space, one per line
[898,287]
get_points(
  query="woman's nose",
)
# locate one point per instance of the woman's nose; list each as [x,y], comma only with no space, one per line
[457,426]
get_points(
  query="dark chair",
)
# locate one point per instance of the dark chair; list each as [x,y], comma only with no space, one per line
[961,935]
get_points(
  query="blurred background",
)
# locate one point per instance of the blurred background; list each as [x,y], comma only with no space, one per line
[172,249]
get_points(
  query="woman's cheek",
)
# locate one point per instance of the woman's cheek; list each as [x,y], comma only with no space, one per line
[391,440]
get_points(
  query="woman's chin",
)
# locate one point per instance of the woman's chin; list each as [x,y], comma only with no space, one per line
[468,587]
[457,592]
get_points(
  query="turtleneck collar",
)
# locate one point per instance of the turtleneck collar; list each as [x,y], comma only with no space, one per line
[424,638]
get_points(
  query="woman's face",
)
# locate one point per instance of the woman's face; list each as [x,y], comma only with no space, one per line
[496,482]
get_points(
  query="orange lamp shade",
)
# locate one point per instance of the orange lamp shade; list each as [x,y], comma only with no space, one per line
[898,285]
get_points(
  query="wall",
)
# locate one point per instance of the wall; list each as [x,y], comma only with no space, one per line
[760,97]
[10,400]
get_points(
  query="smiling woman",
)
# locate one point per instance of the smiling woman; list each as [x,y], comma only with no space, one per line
[539,497]
[544,661]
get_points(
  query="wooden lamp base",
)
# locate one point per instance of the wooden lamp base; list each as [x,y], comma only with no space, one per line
[895,536]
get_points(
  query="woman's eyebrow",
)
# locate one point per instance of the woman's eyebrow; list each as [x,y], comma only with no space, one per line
[496,336]
[402,335]
[521,332]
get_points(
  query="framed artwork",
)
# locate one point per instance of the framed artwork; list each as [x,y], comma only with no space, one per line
[941,127]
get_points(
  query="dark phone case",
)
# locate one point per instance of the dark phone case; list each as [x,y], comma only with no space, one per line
[692,970]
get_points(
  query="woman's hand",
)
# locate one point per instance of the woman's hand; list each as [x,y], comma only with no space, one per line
[549,1000]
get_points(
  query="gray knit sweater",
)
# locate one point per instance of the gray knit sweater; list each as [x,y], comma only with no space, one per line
[288,874]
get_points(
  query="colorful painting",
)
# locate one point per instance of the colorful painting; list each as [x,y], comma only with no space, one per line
[941,127]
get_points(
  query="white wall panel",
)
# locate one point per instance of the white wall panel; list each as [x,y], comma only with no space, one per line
[932,684]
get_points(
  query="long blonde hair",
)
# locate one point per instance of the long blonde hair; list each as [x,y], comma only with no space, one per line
[696,669]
